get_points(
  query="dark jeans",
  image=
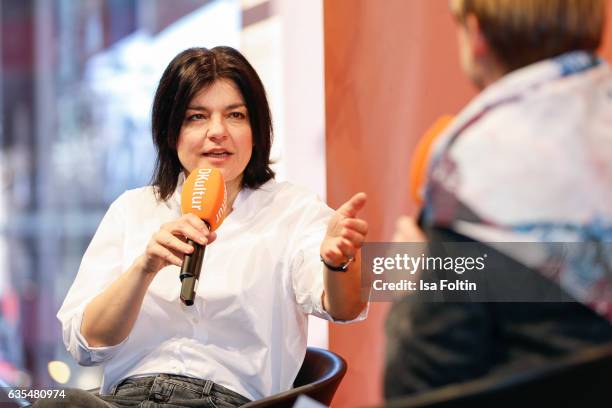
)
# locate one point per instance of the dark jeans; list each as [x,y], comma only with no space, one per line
[163,391]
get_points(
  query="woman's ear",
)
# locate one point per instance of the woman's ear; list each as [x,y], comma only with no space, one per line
[478,42]
[485,66]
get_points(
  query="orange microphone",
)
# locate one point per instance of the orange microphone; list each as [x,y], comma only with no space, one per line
[421,156]
[203,195]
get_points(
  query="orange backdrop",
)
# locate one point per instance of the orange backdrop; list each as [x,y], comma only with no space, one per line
[391,69]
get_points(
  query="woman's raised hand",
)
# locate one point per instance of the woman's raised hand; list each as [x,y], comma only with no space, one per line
[346,232]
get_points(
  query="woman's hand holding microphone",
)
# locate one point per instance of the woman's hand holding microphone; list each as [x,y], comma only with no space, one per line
[168,246]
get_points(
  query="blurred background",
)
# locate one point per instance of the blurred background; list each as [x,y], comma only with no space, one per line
[77,79]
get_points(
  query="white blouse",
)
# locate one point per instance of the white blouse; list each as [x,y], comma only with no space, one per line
[260,279]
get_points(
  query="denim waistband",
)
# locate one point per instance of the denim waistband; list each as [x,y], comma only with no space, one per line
[154,384]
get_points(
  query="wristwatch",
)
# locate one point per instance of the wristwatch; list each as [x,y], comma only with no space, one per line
[340,268]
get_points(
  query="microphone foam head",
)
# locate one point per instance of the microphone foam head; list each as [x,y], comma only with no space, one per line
[422,155]
[204,195]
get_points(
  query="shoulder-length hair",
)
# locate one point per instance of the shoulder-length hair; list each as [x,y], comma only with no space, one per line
[188,73]
[522,32]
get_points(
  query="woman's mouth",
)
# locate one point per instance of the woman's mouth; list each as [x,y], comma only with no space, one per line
[218,157]
[217,154]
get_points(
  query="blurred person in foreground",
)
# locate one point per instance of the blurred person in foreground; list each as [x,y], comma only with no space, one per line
[529,159]
[273,261]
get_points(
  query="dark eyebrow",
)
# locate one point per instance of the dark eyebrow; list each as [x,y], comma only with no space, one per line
[196,108]
[228,107]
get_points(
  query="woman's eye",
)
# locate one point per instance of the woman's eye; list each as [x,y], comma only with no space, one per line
[196,116]
[237,115]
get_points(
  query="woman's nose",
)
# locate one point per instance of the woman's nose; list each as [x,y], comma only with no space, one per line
[217,129]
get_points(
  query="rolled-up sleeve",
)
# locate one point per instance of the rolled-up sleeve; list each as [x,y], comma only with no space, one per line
[78,347]
[100,266]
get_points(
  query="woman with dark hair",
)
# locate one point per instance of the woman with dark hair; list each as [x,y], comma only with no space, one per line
[190,72]
[244,338]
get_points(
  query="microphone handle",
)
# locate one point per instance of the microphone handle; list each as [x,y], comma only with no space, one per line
[190,272]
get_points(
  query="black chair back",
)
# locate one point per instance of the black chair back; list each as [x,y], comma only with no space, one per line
[318,378]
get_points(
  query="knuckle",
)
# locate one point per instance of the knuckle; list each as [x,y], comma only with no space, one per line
[166,240]
[183,230]
[195,220]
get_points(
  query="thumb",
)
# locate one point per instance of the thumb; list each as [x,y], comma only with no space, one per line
[212,236]
[353,206]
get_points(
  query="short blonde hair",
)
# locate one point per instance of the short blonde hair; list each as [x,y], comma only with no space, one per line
[521,32]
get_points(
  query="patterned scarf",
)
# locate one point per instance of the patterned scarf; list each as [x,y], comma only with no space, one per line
[530,160]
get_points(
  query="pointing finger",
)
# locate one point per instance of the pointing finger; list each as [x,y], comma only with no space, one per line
[353,206]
